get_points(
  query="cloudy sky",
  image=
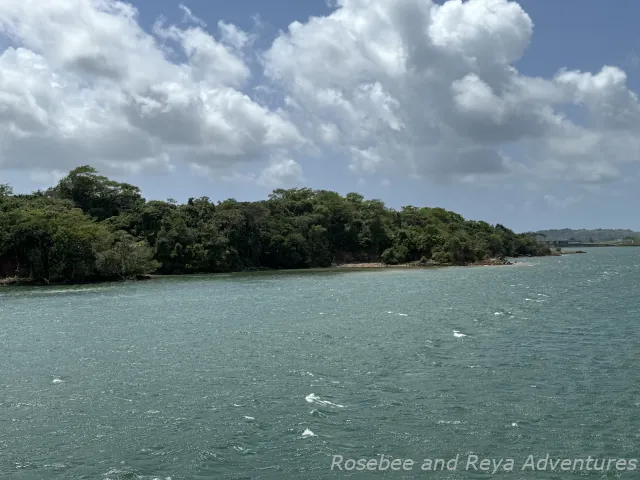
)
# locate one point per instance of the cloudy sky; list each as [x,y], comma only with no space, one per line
[522,113]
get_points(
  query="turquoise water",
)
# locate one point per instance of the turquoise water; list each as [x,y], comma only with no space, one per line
[220,377]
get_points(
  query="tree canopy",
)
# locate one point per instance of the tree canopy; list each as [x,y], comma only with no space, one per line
[89,227]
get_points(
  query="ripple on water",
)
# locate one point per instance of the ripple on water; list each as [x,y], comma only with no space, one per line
[226,377]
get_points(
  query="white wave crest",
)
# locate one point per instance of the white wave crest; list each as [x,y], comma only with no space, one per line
[313,398]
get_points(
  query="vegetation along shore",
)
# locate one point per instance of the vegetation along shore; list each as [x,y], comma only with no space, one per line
[89,228]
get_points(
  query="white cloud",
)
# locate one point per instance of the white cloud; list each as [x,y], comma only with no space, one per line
[189,17]
[233,36]
[432,89]
[281,172]
[87,84]
[390,85]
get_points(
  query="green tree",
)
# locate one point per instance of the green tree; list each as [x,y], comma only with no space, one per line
[97,195]
[126,258]
[89,227]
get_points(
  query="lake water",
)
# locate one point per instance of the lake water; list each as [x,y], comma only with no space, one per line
[227,376]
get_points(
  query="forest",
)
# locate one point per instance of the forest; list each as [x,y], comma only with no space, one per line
[91,228]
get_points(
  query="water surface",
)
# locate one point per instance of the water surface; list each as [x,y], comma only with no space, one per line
[269,375]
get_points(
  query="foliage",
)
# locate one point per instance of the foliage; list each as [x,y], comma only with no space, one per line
[89,227]
[125,257]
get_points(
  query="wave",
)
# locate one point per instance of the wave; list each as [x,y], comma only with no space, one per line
[313,398]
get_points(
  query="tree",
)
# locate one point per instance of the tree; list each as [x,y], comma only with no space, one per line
[126,258]
[5,190]
[96,195]
[89,227]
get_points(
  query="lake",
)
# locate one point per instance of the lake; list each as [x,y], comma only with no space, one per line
[282,375]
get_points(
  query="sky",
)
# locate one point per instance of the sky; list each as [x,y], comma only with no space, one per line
[520,113]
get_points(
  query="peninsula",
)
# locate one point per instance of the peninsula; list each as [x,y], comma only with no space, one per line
[90,228]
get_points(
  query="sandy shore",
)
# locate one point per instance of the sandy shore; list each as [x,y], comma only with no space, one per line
[492,262]
[370,265]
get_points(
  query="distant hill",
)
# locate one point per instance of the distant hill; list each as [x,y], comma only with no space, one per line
[598,235]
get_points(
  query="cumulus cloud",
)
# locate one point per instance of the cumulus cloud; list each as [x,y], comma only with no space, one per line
[432,88]
[281,172]
[383,85]
[85,83]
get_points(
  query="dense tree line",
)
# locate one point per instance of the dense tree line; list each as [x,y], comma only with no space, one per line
[89,227]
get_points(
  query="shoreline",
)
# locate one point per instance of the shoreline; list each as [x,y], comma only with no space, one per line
[492,262]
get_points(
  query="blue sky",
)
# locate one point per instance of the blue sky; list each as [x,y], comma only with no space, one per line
[524,180]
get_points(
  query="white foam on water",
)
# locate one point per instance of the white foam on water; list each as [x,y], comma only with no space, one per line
[57,380]
[457,334]
[71,290]
[448,422]
[498,314]
[403,314]
[313,398]
[247,417]
[308,433]
[514,424]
